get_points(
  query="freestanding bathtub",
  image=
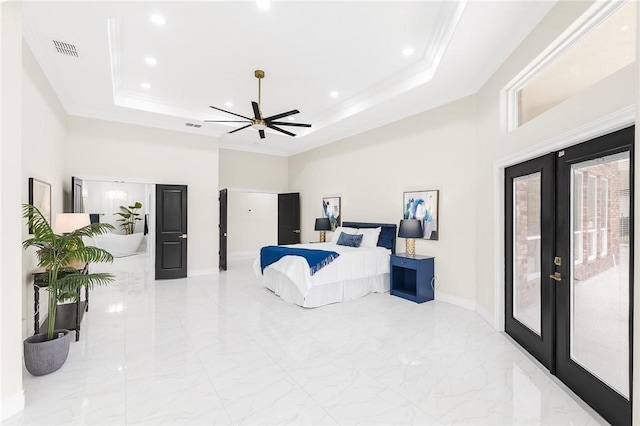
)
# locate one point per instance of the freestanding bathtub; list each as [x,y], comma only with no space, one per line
[119,245]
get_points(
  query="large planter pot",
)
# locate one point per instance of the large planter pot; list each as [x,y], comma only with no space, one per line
[42,356]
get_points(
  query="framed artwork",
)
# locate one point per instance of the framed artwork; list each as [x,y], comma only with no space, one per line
[331,209]
[40,196]
[423,205]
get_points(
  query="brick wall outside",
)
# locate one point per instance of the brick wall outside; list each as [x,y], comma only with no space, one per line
[527,208]
[591,267]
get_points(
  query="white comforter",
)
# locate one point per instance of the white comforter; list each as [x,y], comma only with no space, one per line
[353,263]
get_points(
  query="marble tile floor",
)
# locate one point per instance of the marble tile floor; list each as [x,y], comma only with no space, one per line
[221,349]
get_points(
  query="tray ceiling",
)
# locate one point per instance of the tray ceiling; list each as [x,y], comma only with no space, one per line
[130,69]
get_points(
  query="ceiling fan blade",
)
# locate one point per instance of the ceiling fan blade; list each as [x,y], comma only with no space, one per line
[240,128]
[271,126]
[229,112]
[261,134]
[284,114]
[284,123]
[226,121]
[256,110]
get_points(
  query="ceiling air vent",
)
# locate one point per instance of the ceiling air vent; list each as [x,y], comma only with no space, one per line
[65,48]
[197,126]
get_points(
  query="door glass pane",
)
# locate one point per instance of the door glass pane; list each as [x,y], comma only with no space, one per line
[526,255]
[599,285]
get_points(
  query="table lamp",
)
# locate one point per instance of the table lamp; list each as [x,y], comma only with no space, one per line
[323,225]
[410,229]
[66,223]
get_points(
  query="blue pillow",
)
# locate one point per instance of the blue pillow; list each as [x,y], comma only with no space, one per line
[387,237]
[349,240]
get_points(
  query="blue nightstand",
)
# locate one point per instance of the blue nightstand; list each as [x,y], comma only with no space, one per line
[411,277]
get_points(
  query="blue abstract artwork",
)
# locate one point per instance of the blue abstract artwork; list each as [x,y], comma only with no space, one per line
[331,209]
[423,205]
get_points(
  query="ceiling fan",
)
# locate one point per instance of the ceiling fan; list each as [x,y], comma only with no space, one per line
[258,122]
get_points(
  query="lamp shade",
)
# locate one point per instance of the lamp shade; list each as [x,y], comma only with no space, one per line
[323,224]
[410,228]
[69,222]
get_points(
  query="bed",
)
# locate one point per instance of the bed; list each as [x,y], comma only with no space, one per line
[356,272]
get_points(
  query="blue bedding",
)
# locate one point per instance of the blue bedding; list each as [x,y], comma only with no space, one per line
[317,259]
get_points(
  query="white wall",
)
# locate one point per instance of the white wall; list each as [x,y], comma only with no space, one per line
[252,222]
[105,198]
[116,151]
[370,172]
[248,171]
[11,394]
[44,148]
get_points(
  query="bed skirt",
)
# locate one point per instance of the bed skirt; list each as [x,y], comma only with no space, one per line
[339,291]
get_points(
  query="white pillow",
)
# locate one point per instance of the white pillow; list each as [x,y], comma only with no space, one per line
[339,230]
[369,236]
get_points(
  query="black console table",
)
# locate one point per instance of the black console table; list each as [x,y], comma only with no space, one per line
[68,315]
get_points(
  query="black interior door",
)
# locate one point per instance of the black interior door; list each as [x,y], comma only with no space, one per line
[171,231]
[289,218]
[223,229]
[76,195]
[529,240]
[594,274]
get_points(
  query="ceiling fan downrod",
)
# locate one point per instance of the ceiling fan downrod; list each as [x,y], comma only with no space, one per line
[259,75]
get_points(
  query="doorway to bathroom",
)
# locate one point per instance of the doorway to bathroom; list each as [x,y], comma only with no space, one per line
[128,206]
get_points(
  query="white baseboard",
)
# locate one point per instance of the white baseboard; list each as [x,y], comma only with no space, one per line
[455,300]
[199,272]
[467,304]
[486,315]
[12,405]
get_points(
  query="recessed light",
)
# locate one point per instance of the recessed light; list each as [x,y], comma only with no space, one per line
[150,61]
[334,94]
[158,19]
[228,104]
[625,28]
[146,86]
[408,51]
[291,118]
[263,4]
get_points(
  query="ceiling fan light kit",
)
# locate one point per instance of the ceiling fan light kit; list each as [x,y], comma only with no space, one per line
[258,122]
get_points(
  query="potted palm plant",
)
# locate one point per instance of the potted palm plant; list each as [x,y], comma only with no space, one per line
[59,255]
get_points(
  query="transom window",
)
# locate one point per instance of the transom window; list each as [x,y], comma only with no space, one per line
[604,43]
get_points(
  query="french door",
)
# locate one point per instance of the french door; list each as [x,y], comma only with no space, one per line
[569,267]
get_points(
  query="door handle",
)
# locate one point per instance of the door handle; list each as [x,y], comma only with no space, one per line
[556,276]
[183,236]
[297,231]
